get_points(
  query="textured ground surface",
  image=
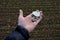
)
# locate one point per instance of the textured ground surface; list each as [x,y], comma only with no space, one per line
[47,29]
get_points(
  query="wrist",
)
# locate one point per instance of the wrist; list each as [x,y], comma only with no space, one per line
[24,26]
[22,30]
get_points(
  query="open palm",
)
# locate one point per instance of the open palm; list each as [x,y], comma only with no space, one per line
[26,22]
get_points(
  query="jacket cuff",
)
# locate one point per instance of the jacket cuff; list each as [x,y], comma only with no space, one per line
[22,31]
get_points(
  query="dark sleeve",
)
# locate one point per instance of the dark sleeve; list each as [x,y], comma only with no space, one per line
[20,33]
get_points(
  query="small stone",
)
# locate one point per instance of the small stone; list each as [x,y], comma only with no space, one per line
[36,13]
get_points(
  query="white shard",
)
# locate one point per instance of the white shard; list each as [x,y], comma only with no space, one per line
[36,13]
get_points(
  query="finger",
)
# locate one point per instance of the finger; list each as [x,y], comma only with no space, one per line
[41,13]
[21,13]
[29,17]
[37,10]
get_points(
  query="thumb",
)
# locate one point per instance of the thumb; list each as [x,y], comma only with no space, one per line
[20,13]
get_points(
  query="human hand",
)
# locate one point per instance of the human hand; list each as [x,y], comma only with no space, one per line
[26,22]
